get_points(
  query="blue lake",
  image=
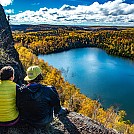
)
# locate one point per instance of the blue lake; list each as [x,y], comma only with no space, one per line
[98,74]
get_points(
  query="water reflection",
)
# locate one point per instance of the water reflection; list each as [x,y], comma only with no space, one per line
[98,74]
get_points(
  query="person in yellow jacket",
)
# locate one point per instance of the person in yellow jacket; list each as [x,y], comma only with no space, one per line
[9,114]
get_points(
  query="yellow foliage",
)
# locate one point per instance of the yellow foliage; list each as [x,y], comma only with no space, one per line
[70,96]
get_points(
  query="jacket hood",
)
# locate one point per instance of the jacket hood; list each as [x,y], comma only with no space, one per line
[34,87]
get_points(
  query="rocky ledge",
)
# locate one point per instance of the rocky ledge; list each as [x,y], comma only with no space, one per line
[73,123]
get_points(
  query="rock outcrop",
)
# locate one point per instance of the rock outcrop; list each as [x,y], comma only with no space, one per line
[8,54]
[73,123]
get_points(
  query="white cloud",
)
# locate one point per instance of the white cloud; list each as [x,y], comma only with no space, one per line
[35,4]
[110,13]
[9,11]
[6,2]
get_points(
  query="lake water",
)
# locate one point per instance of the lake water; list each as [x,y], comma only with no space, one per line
[98,74]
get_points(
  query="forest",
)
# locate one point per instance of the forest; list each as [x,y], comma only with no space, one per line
[115,42]
[118,42]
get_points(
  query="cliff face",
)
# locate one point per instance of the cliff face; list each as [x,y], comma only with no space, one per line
[8,54]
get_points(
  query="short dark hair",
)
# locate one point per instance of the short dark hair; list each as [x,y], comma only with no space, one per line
[37,79]
[6,73]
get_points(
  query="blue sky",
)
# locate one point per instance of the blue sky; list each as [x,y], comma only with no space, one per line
[70,12]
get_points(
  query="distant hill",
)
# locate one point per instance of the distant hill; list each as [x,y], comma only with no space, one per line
[44,27]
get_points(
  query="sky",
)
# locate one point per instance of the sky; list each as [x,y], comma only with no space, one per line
[70,12]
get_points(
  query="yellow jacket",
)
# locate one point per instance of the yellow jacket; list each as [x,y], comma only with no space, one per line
[8,109]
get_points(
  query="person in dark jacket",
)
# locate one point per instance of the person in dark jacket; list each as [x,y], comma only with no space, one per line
[36,102]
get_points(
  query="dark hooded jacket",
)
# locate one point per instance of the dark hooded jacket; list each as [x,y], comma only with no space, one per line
[37,102]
